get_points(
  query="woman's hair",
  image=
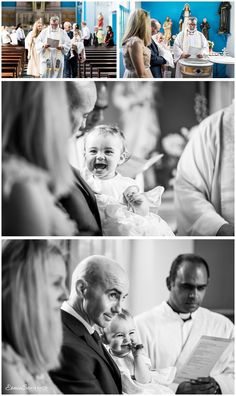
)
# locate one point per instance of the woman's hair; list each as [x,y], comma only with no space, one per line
[36,126]
[28,322]
[110,28]
[109,130]
[35,31]
[139,25]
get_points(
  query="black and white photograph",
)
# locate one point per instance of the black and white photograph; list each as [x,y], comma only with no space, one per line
[110,316]
[114,159]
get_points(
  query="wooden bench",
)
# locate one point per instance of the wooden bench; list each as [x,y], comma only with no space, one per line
[101,57]
[105,70]
[9,72]
[13,60]
[93,65]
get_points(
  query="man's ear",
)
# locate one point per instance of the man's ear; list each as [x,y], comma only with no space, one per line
[168,283]
[81,287]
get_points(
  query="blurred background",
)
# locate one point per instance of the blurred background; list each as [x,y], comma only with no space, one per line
[148,261]
[157,118]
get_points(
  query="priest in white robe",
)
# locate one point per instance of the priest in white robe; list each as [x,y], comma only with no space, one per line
[170,331]
[189,43]
[52,44]
[204,185]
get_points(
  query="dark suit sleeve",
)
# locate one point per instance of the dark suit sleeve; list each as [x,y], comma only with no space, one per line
[78,210]
[156,59]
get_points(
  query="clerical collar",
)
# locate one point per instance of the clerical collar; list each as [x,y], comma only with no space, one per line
[184,316]
[191,32]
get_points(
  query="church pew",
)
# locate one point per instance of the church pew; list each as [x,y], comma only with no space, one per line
[9,72]
[102,61]
[100,64]
[9,65]
[106,70]
[14,55]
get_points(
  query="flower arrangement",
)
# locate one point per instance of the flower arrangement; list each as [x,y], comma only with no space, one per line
[211,44]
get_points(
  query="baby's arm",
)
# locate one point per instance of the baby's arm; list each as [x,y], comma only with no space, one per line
[141,370]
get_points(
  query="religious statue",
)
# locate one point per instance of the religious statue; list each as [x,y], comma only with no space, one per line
[100,21]
[38,6]
[205,27]
[224,12]
[167,26]
[185,14]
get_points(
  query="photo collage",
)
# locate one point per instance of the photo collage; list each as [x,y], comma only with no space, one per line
[118,193]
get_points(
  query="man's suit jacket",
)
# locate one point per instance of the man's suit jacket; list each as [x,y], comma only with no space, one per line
[81,206]
[156,60]
[84,368]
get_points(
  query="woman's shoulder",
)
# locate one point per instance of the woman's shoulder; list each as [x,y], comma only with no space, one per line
[134,40]
[15,374]
[18,379]
[16,170]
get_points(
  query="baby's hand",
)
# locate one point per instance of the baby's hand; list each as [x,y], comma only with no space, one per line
[136,349]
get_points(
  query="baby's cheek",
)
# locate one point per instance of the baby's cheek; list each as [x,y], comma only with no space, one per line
[116,344]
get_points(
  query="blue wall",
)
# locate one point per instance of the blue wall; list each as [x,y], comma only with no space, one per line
[68,4]
[200,9]
[8,4]
[114,24]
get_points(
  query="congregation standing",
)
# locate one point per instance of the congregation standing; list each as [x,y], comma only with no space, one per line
[53,52]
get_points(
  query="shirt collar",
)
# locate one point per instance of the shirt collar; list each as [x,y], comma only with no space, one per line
[176,314]
[67,308]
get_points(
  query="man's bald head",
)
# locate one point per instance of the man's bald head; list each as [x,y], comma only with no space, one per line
[82,96]
[99,287]
[98,270]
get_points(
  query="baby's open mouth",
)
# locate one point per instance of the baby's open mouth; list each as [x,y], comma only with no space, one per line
[100,166]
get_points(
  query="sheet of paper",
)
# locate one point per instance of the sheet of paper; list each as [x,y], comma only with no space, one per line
[53,43]
[194,51]
[203,358]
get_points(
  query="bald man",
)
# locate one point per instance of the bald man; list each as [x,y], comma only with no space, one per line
[80,203]
[99,286]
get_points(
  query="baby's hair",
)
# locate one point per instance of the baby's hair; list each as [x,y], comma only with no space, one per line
[109,130]
[124,315]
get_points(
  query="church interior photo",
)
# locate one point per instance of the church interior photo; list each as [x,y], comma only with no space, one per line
[215,20]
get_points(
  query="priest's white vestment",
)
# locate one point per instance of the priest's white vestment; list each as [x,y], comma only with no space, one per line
[169,341]
[52,59]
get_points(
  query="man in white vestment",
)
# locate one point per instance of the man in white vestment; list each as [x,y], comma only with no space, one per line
[204,185]
[189,43]
[52,53]
[170,331]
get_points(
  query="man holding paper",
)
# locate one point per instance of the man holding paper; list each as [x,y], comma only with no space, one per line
[52,44]
[189,43]
[171,331]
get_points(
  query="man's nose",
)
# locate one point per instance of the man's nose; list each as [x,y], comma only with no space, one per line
[116,308]
[193,293]
[83,124]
